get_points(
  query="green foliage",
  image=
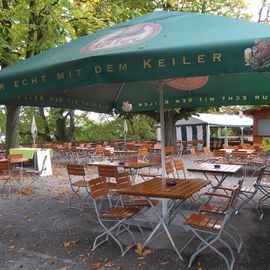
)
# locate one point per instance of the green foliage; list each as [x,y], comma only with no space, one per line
[139,127]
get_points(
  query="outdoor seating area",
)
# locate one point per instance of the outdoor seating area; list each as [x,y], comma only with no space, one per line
[135,206]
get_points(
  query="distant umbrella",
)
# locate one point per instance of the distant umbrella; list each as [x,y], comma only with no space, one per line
[34,129]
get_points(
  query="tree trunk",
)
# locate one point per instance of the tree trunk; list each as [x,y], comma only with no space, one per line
[45,136]
[60,133]
[170,131]
[71,129]
[12,128]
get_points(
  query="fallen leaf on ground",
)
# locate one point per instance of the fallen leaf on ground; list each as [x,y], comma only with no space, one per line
[138,249]
[61,202]
[12,247]
[29,218]
[26,192]
[29,253]
[164,263]
[96,265]
[63,268]
[67,244]
[141,258]
[199,266]
[109,264]
[146,252]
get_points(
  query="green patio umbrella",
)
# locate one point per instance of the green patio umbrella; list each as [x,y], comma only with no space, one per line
[158,61]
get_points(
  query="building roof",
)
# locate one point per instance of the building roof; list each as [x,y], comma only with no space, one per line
[221,120]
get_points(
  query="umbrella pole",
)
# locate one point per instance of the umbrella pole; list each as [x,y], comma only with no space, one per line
[242,135]
[162,133]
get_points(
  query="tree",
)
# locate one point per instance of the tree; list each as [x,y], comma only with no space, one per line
[231,8]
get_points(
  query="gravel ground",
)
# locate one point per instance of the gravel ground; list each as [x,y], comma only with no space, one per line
[37,231]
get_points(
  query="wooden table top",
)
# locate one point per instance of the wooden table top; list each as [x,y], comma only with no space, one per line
[157,187]
[125,152]
[18,160]
[210,167]
[230,150]
[126,165]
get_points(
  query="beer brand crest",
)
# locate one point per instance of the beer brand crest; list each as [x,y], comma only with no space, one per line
[123,37]
[259,55]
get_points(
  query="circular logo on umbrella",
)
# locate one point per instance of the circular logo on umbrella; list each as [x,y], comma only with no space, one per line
[123,37]
[188,83]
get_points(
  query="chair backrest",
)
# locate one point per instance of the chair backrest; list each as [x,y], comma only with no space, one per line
[76,170]
[179,165]
[123,181]
[169,168]
[142,152]
[130,146]
[107,153]
[234,194]
[206,150]
[107,171]
[14,156]
[146,145]
[157,146]
[4,166]
[239,154]
[168,150]
[260,176]
[98,187]
[155,160]
[193,151]
[99,150]
[219,153]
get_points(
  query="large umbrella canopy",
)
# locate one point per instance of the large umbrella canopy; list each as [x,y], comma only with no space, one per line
[133,66]
[227,62]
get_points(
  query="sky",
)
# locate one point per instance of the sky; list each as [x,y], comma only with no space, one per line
[254,8]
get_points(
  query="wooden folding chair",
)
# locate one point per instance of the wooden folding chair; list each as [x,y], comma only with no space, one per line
[123,181]
[209,227]
[247,194]
[8,177]
[110,173]
[179,168]
[117,217]
[155,160]
[36,175]
[264,188]
[169,151]
[78,183]
[142,154]
[169,169]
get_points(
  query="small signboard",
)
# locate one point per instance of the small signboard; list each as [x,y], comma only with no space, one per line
[46,166]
